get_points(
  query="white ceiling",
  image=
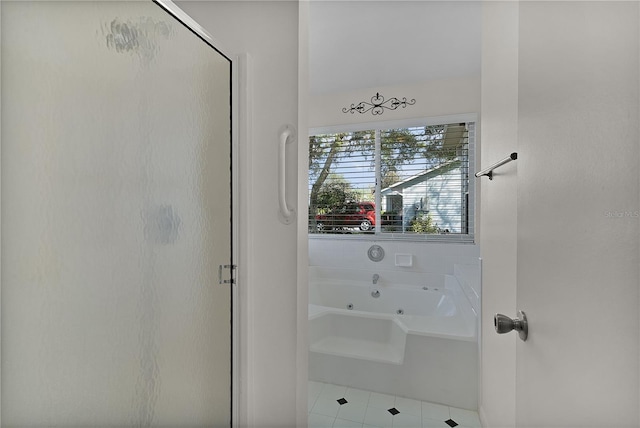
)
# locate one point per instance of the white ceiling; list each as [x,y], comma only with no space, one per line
[366,44]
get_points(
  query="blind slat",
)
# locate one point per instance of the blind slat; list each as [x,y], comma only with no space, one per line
[424,179]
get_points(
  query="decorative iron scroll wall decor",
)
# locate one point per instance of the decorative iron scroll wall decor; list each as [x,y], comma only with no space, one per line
[378,105]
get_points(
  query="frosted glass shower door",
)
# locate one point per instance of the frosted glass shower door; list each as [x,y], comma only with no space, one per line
[116,213]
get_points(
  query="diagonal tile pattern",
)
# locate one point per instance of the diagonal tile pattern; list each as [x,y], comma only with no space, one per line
[336,406]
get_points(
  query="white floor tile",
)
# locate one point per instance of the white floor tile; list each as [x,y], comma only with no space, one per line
[408,405]
[378,417]
[353,412]
[320,421]
[468,418]
[314,388]
[405,420]
[313,391]
[434,423]
[333,391]
[310,402]
[382,401]
[357,396]
[435,411]
[343,423]
[366,409]
[326,406]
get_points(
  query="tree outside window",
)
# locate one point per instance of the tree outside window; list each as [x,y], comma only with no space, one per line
[423,174]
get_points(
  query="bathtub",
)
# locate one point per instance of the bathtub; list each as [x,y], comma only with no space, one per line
[409,334]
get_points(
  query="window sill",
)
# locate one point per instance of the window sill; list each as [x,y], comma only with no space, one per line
[427,239]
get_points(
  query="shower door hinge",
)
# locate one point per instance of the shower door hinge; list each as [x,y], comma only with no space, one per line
[232,269]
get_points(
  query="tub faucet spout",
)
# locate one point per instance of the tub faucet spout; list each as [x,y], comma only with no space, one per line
[376,277]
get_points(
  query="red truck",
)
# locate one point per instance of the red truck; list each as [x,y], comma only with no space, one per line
[353,214]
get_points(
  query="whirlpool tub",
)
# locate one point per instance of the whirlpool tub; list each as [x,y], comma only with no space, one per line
[409,334]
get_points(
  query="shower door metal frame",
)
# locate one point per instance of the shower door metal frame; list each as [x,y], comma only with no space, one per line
[237,70]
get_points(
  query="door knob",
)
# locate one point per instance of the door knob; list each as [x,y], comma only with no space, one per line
[504,324]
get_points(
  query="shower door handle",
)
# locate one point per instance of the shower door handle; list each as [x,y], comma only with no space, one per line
[504,324]
[286,136]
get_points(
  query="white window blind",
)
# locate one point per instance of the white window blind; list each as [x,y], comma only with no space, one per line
[424,175]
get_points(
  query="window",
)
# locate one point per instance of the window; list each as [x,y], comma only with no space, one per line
[393,182]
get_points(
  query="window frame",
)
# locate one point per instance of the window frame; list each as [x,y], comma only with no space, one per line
[468,238]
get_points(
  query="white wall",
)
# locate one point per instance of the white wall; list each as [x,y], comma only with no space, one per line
[268,32]
[499,210]
[433,98]
[0,199]
[303,197]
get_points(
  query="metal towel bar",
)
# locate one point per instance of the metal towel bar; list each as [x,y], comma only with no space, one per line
[489,171]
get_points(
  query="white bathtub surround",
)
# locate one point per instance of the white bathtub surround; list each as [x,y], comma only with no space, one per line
[365,409]
[404,260]
[416,339]
[344,252]
[357,335]
[468,277]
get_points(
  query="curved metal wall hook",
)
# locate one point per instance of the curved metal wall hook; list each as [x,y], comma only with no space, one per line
[287,135]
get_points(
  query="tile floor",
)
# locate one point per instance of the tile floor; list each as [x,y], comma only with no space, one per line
[343,407]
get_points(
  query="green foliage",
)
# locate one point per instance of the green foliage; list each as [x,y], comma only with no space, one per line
[433,145]
[399,147]
[389,178]
[423,224]
[334,193]
[323,151]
